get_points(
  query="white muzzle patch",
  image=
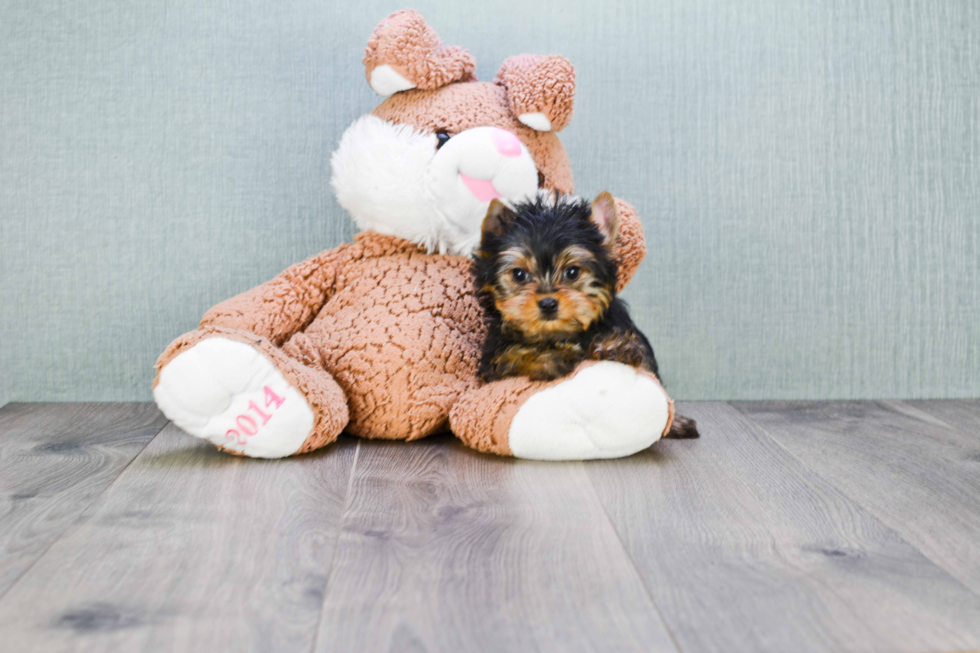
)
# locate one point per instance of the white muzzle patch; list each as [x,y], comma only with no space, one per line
[392,178]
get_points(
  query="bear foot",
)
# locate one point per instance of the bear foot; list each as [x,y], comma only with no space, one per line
[607,410]
[230,394]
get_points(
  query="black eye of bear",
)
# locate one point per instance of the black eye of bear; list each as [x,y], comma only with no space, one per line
[442,138]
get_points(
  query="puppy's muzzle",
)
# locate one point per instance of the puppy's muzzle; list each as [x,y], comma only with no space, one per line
[548,307]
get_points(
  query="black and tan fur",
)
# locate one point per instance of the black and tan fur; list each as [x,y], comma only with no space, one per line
[546,278]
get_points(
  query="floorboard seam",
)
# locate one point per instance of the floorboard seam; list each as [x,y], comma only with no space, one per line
[893,406]
[336,544]
[884,522]
[71,526]
[636,570]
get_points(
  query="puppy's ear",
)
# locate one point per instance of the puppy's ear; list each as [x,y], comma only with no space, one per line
[498,216]
[604,216]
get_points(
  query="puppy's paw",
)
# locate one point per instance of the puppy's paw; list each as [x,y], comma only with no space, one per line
[683,428]
[620,347]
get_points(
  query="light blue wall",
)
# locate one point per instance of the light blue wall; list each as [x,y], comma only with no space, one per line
[808,174]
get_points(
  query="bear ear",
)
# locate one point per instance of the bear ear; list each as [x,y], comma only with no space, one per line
[540,88]
[404,53]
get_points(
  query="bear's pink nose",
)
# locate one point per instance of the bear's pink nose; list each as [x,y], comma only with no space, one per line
[506,143]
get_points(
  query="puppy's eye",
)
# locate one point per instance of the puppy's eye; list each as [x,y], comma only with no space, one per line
[442,138]
[572,273]
[519,275]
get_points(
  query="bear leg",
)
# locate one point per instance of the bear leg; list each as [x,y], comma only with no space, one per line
[602,410]
[244,395]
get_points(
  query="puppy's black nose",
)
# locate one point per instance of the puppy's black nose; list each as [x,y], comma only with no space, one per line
[548,305]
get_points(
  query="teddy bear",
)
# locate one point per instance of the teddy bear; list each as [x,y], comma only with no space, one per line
[381,338]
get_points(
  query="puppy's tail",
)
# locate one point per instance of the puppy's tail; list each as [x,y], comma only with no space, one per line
[683,427]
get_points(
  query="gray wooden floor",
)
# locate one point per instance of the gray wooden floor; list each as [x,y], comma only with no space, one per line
[787,527]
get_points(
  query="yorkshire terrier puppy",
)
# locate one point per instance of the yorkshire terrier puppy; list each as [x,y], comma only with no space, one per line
[546,278]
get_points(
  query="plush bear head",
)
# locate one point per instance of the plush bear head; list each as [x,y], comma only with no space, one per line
[425,164]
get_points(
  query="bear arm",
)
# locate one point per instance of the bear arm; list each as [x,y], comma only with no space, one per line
[279,308]
[631,245]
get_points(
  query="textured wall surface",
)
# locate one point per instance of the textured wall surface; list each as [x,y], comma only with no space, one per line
[808,174]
